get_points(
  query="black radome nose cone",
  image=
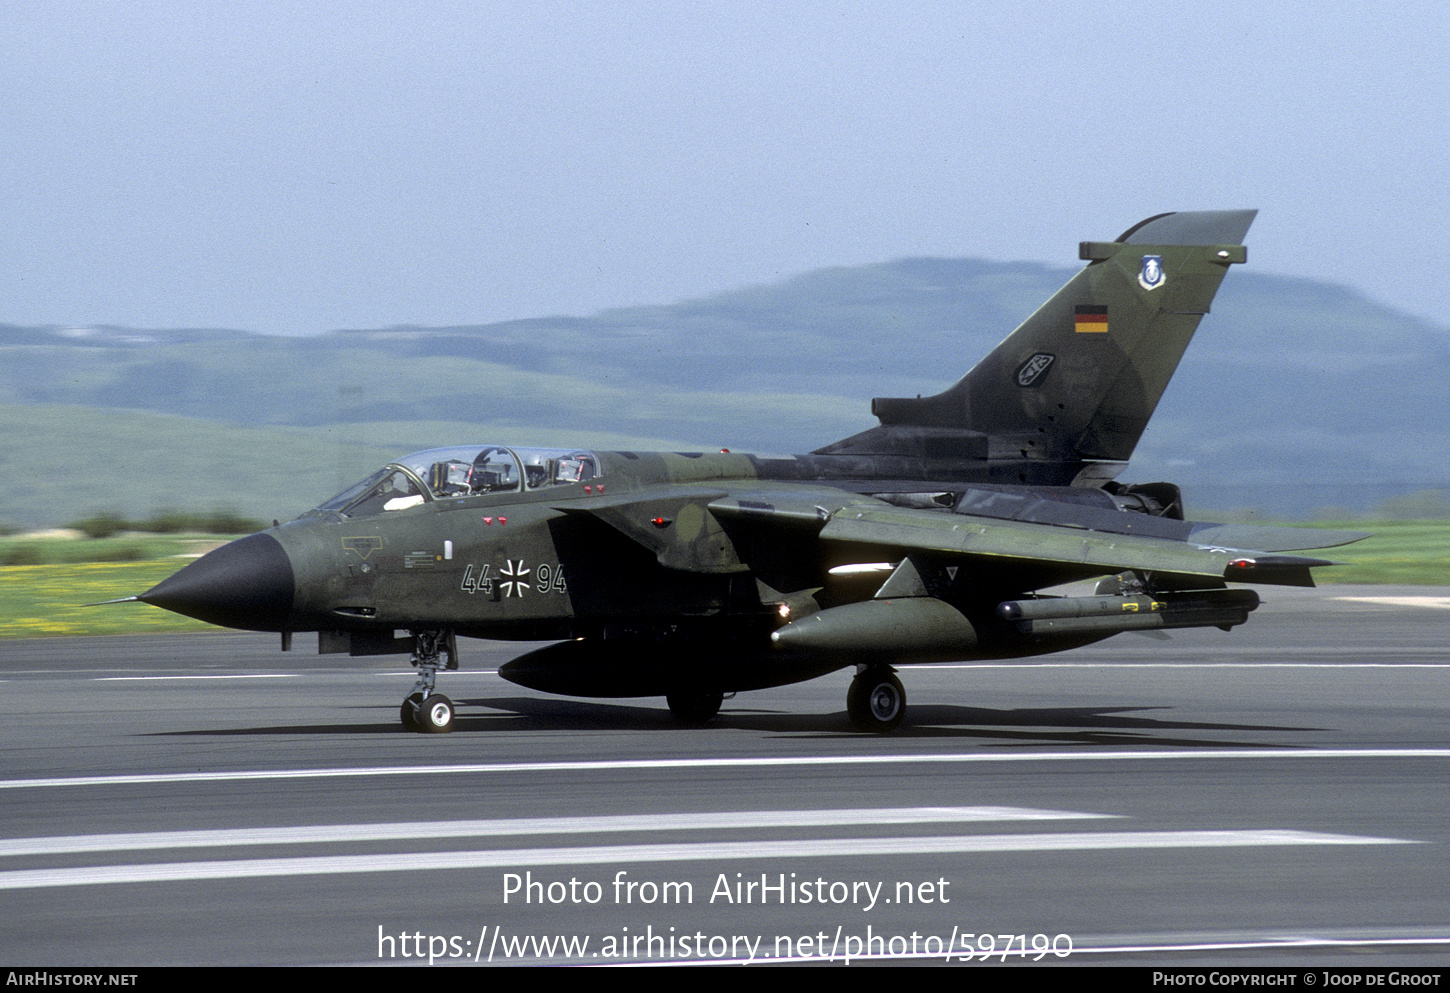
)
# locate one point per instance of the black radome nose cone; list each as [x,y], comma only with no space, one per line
[246,584]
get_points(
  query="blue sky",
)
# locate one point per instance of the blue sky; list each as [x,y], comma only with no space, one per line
[299,167]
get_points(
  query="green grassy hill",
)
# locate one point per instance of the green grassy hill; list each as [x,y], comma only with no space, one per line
[1295,395]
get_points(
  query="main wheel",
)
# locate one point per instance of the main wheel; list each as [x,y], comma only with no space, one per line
[435,714]
[694,705]
[408,712]
[876,701]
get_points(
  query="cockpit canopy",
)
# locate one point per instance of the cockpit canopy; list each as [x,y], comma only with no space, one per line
[452,473]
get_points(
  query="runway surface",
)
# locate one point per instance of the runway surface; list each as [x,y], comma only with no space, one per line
[1272,795]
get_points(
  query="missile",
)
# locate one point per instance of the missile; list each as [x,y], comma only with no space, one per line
[1112,614]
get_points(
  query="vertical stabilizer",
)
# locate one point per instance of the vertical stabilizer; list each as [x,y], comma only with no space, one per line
[1079,379]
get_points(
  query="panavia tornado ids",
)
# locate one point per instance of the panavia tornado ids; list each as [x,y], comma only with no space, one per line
[693,575]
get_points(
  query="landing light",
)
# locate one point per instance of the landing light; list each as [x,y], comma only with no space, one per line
[861,568]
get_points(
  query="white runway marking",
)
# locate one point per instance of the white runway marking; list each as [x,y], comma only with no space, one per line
[1251,945]
[1434,652]
[323,833]
[533,768]
[1442,602]
[1293,944]
[853,848]
[138,679]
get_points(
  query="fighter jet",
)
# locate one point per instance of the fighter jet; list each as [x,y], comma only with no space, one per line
[693,575]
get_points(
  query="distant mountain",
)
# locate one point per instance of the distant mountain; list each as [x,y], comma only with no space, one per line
[1295,395]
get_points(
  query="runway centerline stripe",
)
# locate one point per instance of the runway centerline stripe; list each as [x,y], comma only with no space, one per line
[710,851]
[168,679]
[744,762]
[324,833]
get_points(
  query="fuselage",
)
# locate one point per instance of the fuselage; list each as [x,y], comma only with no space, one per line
[519,543]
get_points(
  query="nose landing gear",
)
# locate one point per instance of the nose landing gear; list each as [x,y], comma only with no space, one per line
[424,710]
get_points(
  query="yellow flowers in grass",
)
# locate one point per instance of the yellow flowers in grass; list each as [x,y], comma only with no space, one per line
[48,600]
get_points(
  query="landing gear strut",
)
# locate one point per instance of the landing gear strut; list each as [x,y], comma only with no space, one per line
[422,709]
[876,701]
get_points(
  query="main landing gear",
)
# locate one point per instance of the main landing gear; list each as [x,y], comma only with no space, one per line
[422,709]
[694,705]
[876,701]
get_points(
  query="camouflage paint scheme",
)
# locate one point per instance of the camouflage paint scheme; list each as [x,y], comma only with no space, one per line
[692,575]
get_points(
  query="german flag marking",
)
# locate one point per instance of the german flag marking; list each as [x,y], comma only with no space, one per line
[1090,319]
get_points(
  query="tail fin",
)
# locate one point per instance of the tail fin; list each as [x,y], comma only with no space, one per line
[1081,377]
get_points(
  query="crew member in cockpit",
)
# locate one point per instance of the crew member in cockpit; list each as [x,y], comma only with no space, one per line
[573,469]
[448,478]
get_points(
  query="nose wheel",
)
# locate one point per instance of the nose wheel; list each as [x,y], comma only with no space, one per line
[424,710]
[429,715]
[435,715]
